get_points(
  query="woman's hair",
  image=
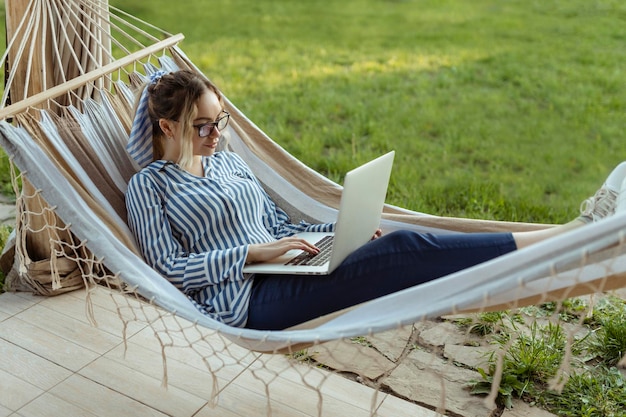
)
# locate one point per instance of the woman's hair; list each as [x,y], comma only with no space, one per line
[174,97]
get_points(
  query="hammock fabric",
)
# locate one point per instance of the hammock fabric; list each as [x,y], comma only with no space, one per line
[74,155]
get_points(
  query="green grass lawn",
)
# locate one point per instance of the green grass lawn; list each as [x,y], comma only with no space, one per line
[511,110]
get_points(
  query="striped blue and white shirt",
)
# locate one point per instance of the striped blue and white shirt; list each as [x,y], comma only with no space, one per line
[196,231]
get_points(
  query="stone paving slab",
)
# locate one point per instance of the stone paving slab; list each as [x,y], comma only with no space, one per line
[347,356]
[428,379]
[430,363]
[522,409]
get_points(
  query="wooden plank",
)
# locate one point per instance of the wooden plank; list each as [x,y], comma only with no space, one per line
[292,398]
[181,375]
[46,344]
[32,80]
[50,405]
[133,376]
[105,298]
[302,398]
[70,329]
[142,388]
[29,367]
[243,402]
[11,303]
[216,411]
[219,363]
[125,304]
[100,400]
[330,384]
[106,320]
[230,359]
[197,382]
[16,392]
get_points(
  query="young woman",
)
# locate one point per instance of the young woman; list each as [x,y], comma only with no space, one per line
[199,216]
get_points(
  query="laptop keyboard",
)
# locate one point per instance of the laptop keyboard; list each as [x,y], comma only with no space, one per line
[308,259]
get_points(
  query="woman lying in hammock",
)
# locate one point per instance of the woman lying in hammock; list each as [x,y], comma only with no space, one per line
[199,216]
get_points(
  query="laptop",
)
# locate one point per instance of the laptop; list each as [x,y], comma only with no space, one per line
[360,210]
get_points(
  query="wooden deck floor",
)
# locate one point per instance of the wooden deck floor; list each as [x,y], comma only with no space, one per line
[53,362]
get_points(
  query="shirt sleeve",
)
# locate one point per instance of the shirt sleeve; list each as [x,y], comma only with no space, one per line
[282,225]
[277,221]
[189,272]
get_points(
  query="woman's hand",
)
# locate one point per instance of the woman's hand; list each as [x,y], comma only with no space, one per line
[261,252]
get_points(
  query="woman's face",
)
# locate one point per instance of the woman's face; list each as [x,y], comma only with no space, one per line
[209,111]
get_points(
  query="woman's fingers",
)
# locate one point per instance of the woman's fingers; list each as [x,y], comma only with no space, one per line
[298,243]
[265,251]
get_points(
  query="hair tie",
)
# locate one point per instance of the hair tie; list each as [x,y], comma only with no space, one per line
[139,145]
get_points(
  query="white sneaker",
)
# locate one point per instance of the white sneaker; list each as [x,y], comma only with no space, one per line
[605,200]
[620,206]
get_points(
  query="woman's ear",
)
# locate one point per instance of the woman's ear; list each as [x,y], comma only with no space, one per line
[167,128]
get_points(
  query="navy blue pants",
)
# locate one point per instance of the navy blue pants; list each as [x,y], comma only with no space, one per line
[388,264]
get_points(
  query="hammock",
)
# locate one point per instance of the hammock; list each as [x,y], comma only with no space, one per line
[83,177]
[68,138]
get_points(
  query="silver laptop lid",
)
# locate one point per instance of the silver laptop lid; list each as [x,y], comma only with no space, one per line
[360,210]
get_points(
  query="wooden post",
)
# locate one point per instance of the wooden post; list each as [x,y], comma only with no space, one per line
[29,74]
[56,50]
[49,51]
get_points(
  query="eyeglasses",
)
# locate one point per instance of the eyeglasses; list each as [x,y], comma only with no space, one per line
[206,129]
